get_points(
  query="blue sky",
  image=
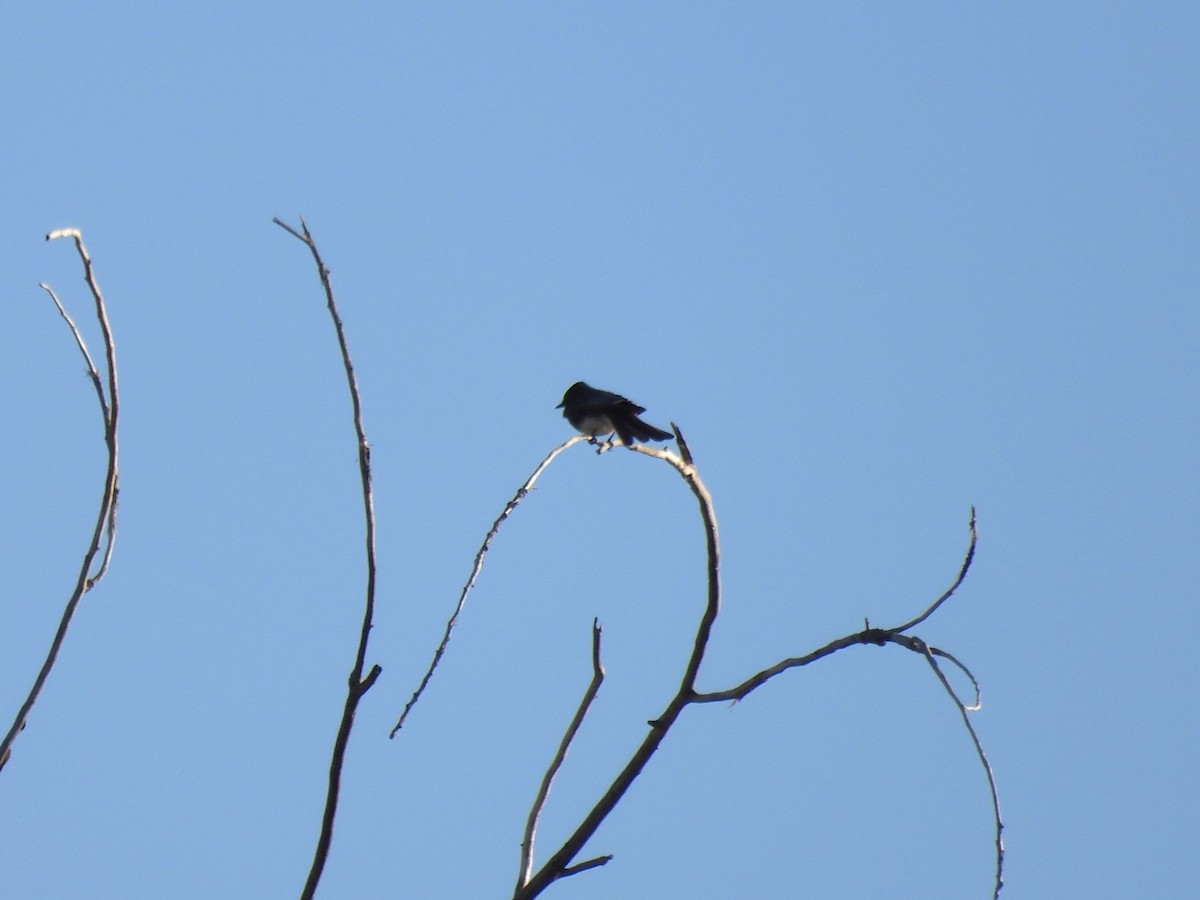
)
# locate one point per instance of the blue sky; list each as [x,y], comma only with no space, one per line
[879,262]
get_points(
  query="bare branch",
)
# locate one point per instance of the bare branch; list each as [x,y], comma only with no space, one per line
[357,684]
[684,453]
[877,636]
[106,519]
[585,865]
[559,865]
[963,711]
[509,507]
[708,514]
[978,704]
[93,373]
[962,573]
[739,692]
[547,780]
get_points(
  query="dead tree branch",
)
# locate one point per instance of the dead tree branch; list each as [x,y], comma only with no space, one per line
[357,685]
[962,573]
[508,510]
[106,519]
[963,711]
[880,637]
[560,864]
[556,764]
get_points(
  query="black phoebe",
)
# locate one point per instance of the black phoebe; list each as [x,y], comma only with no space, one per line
[594,412]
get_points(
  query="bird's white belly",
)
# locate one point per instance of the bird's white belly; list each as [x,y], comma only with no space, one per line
[594,425]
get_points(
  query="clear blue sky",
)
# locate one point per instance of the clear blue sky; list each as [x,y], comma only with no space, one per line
[880,262]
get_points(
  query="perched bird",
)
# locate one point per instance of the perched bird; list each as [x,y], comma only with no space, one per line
[593,411]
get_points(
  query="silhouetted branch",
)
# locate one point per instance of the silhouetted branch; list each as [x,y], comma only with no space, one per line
[876,636]
[509,507]
[93,373]
[962,573]
[358,685]
[559,865]
[106,520]
[585,865]
[879,637]
[547,780]
[963,711]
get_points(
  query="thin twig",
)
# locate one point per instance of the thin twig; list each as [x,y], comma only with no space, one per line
[93,373]
[964,712]
[978,704]
[585,865]
[480,554]
[962,573]
[556,764]
[106,519]
[357,684]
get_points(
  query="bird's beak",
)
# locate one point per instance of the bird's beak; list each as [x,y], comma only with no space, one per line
[560,406]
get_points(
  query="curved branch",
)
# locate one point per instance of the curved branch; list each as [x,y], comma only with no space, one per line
[687,470]
[357,684]
[962,573]
[560,864]
[963,711]
[877,636]
[106,519]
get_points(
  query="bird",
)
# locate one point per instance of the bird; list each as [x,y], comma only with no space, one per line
[593,411]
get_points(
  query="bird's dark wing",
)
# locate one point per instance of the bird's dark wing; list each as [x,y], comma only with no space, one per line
[627,406]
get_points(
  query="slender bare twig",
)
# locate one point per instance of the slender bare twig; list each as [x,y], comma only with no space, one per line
[585,865]
[357,684]
[106,519]
[556,764]
[509,507]
[964,711]
[962,573]
[93,373]
[978,704]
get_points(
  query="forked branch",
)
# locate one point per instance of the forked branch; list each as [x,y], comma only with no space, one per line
[358,685]
[556,764]
[106,518]
[561,863]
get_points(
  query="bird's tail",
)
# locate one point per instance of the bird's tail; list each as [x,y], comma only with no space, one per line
[644,431]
